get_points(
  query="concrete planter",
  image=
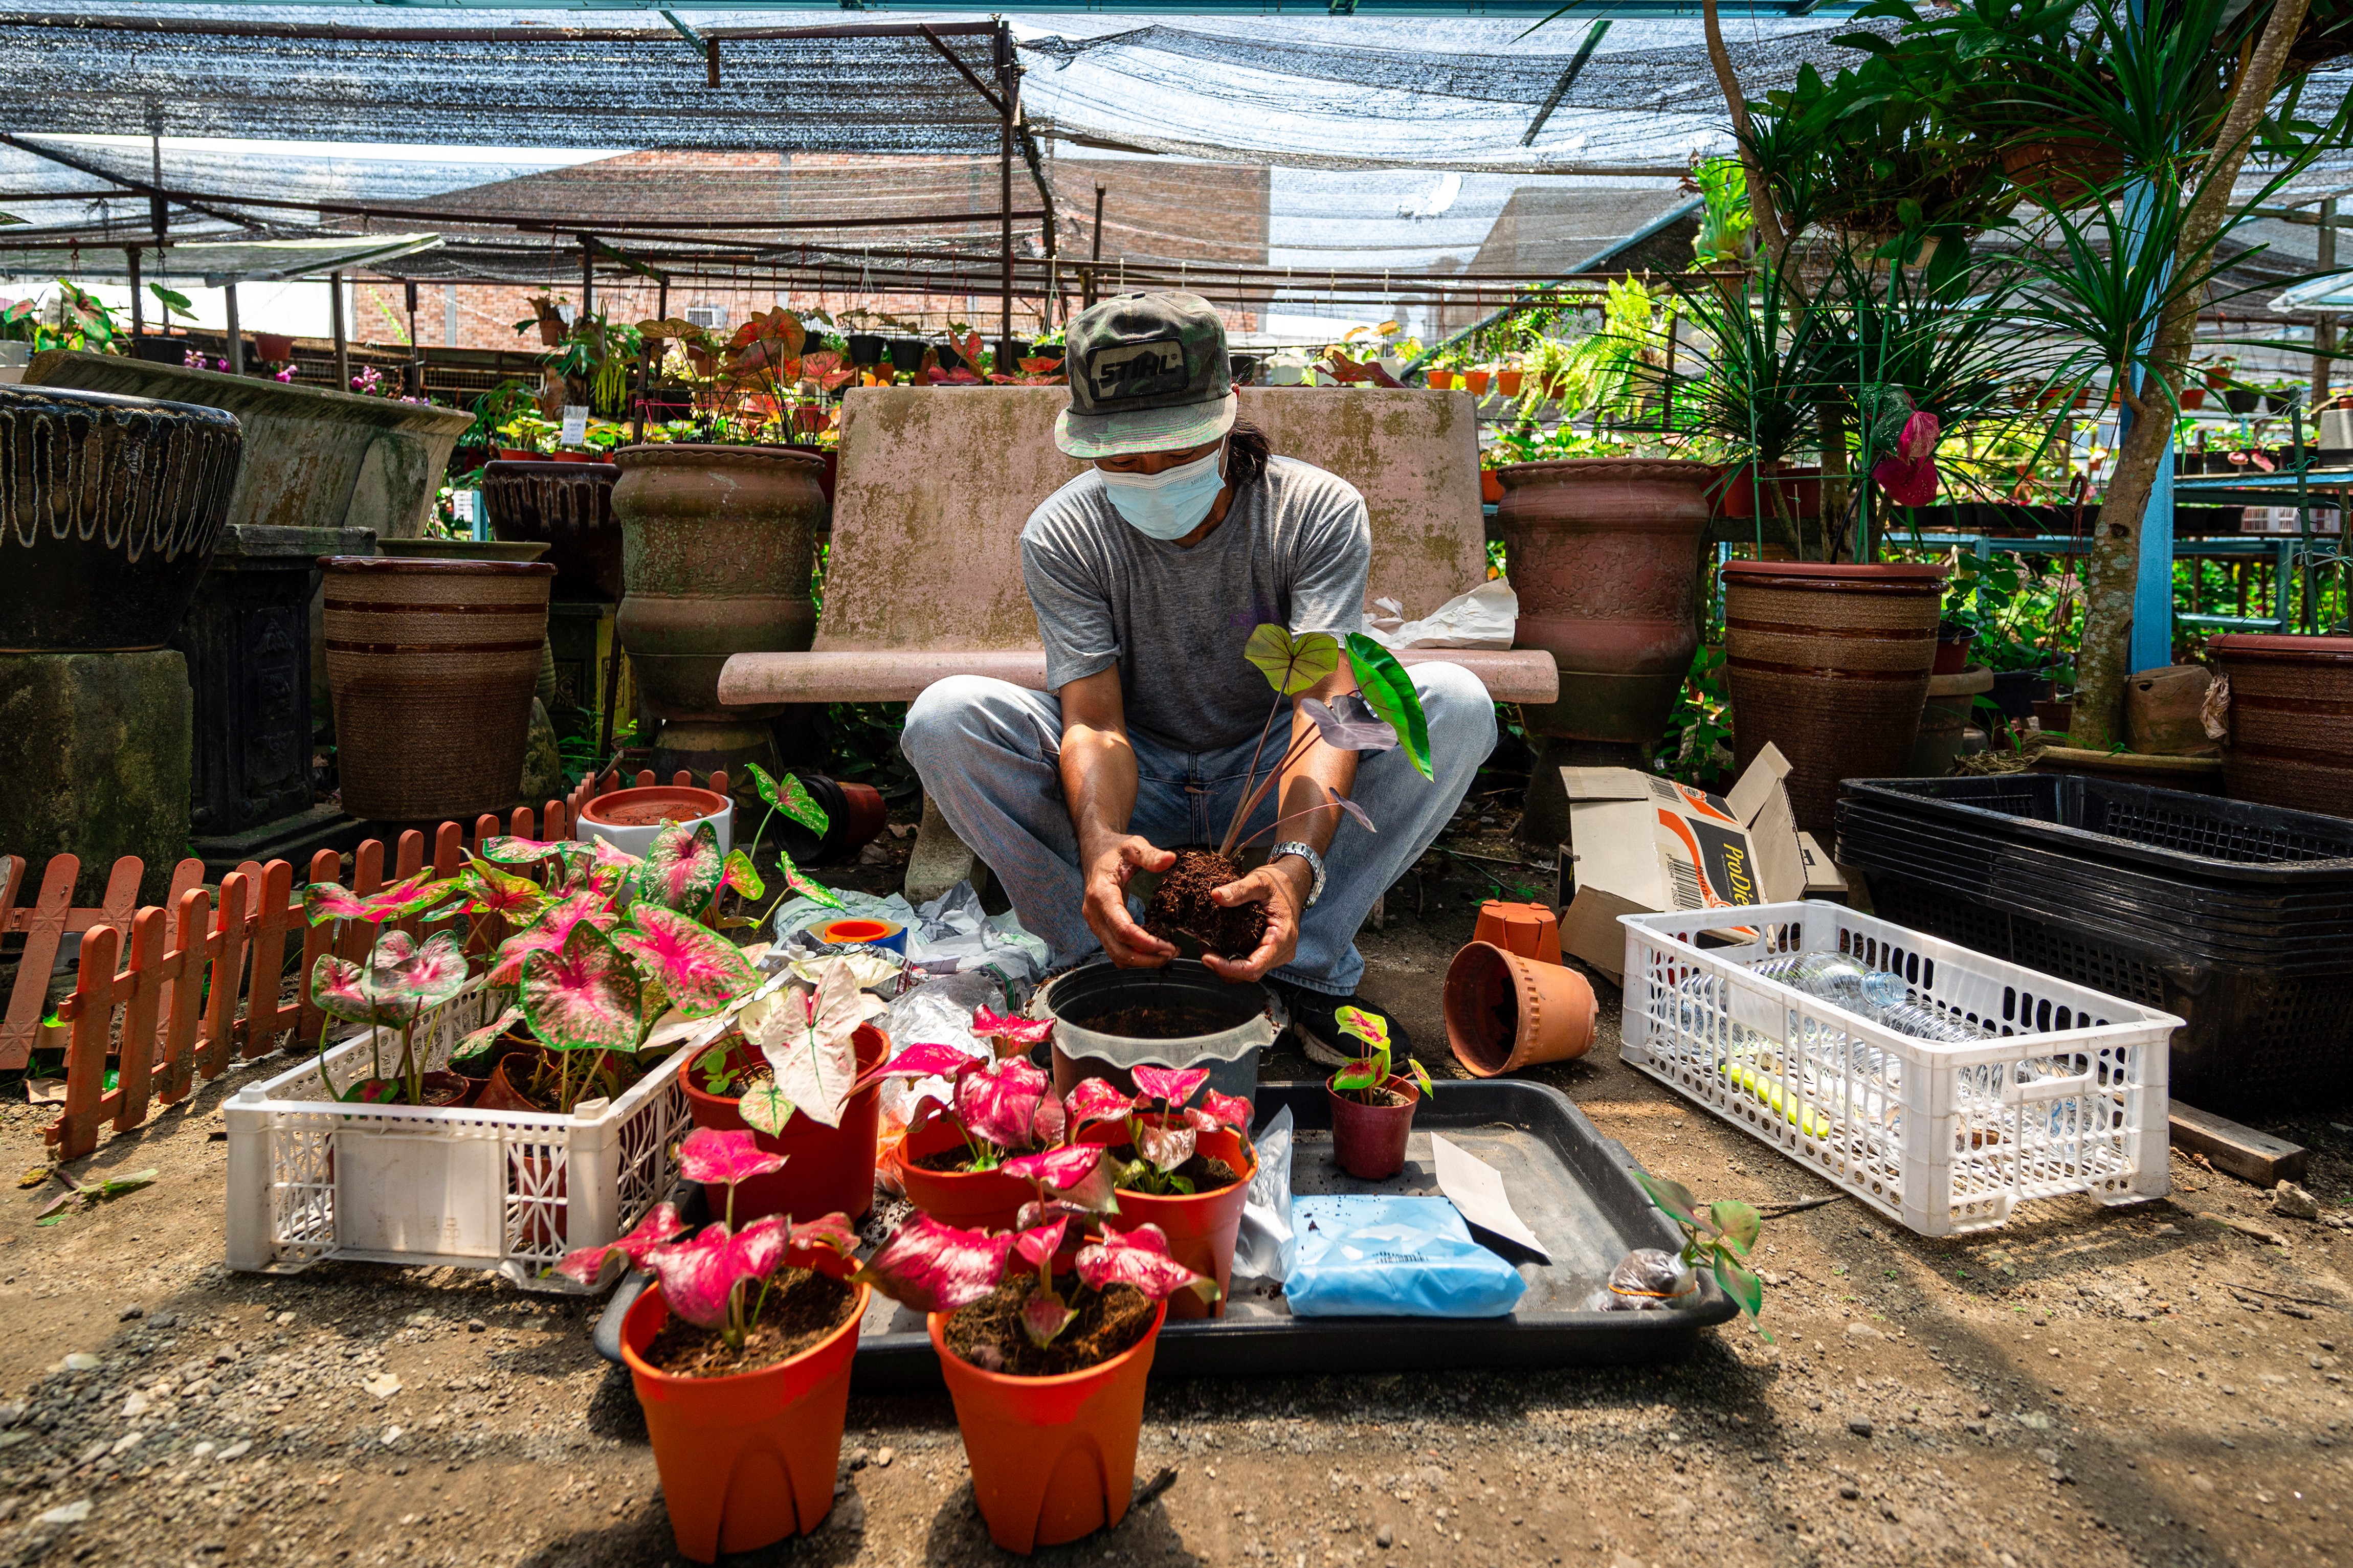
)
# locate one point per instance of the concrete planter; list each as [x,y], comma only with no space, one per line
[717,547]
[110,506]
[313,459]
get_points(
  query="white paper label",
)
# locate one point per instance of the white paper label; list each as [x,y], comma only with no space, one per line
[576,424]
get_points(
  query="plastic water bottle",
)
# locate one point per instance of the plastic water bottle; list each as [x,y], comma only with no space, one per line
[1882,997]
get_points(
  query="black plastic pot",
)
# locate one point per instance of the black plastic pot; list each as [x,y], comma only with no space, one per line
[907,354]
[2243,400]
[865,348]
[1078,1000]
[109,508]
[948,357]
[2015,691]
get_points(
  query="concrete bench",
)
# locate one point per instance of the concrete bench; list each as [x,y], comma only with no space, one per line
[924,577]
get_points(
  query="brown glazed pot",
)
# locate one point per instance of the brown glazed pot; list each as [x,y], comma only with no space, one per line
[1604,553]
[569,508]
[2291,718]
[109,508]
[1830,663]
[432,665]
[717,547]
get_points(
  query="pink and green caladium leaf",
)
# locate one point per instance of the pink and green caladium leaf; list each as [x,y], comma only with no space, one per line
[936,1268]
[741,878]
[583,996]
[509,850]
[921,1060]
[702,971]
[1349,724]
[428,975]
[1356,1077]
[1672,1198]
[698,1277]
[788,795]
[1175,1085]
[1079,1178]
[831,1231]
[1140,1258]
[1167,1144]
[1369,1028]
[549,933]
[1043,1318]
[681,871]
[490,890]
[482,1040]
[1221,1110]
[998,1103]
[1737,1222]
[323,901]
[1094,1100]
[717,1158]
[1037,1245]
[1012,1035]
[591,1266]
[806,885]
[340,988]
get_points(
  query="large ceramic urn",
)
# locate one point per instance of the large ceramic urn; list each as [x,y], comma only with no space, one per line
[109,508]
[568,507]
[717,547]
[1830,663]
[1604,553]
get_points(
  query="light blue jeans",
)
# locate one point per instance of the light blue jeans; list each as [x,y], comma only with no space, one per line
[989,753]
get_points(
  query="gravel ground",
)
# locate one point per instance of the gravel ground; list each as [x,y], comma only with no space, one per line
[2085,1386]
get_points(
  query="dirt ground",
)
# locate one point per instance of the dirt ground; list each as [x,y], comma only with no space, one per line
[2085,1386]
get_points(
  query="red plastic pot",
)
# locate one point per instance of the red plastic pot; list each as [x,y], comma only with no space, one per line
[1953,654]
[827,1169]
[1053,1458]
[1368,1140]
[972,1200]
[745,1460]
[1202,1227]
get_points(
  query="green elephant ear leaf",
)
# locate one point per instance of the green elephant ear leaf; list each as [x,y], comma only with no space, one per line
[1291,663]
[1742,1286]
[1389,691]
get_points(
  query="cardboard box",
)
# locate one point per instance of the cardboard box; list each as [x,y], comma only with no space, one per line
[1640,843]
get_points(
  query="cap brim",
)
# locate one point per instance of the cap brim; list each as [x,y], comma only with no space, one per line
[1092,435]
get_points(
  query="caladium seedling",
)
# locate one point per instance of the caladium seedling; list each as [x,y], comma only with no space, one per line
[681,869]
[397,984]
[808,1035]
[708,1281]
[549,933]
[790,796]
[595,1266]
[700,970]
[1008,1034]
[488,890]
[1367,1076]
[1163,1141]
[1717,1237]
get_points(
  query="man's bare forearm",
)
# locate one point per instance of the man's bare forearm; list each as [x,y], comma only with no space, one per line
[1099,781]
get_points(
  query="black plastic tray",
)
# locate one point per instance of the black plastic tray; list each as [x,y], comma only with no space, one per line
[1574,1188]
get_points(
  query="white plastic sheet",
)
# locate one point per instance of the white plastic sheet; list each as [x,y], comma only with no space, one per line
[1484,617]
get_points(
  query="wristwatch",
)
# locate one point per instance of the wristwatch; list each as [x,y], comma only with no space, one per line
[1314,864]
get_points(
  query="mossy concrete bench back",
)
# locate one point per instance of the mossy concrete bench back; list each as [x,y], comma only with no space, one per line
[925,578]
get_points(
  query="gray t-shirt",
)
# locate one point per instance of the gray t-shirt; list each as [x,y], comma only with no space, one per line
[1294,549]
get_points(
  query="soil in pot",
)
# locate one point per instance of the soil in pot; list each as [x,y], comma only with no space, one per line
[1206,1175]
[989,1333]
[1152,1022]
[803,1307]
[441,1088]
[1181,907]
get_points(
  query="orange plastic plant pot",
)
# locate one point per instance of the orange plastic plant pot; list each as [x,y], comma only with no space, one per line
[750,1460]
[1505,1013]
[828,1170]
[970,1200]
[1200,1228]
[1531,930]
[1053,1458]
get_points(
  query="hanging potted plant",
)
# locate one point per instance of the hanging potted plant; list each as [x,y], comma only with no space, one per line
[740,1356]
[1045,1352]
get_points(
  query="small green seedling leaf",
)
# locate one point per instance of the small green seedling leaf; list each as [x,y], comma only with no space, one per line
[1421,1078]
[1736,1222]
[1672,1198]
[1291,663]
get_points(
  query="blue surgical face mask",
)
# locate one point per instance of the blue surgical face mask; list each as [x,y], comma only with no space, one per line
[1173,502]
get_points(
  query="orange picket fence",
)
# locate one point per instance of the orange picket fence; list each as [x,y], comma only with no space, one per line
[171,1015]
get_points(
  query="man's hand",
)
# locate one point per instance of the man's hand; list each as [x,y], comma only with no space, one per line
[1127,944]
[1281,885]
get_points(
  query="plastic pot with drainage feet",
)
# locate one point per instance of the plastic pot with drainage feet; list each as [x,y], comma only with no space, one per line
[1096,1007]
[747,1459]
[1368,1140]
[1505,1012]
[1201,1227]
[827,1170]
[1053,1459]
[969,1200]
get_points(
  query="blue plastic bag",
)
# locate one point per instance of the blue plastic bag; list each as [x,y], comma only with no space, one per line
[1363,1255]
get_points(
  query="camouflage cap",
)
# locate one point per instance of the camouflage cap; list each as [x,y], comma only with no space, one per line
[1148,374]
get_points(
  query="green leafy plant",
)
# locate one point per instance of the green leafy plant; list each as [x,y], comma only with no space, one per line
[1367,1077]
[1717,1238]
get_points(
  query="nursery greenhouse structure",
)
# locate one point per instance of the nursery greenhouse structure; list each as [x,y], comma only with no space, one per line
[1418,782]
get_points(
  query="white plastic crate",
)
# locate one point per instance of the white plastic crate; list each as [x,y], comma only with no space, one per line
[309,1178]
[2070,1098]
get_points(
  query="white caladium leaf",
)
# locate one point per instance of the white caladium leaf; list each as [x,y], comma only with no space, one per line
[806,1035]
[868,965]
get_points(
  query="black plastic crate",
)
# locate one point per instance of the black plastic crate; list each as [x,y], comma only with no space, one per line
[2255,1037]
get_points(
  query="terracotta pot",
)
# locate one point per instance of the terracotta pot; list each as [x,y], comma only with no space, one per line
[1945,719]
[718,544]
[631,819]
[1368,1140]
[1505,1013]
[1507,382]
[971,1199]
[1475,382]
[110,509]
[1531,930]
[1053,1458]
[826,1168]
[749,1460]
[1491,488]
[567,503]
[272,348]
[2062,171]
[1791,492]
[501,1094]
[432,665]
[551,332]
[1200,1227]
[1439,380]
[1831,665]
[2164,709]
[1953,654]
[2291,721]
[2193,397]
